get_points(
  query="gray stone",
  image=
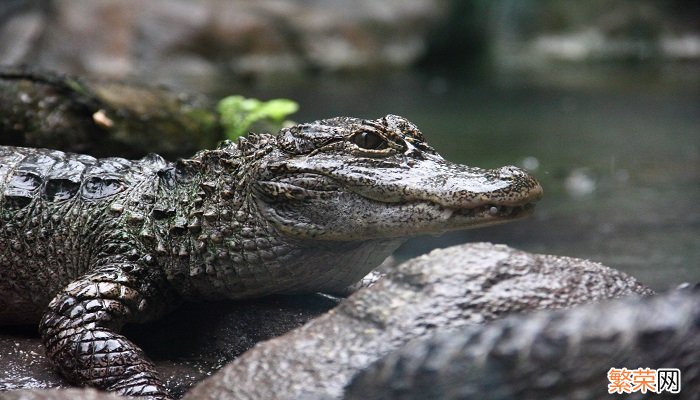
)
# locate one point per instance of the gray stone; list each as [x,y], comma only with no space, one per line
[179,39]
[449,288]
[59,394]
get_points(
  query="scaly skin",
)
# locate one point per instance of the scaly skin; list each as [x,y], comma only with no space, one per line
[87,245]
[557,355]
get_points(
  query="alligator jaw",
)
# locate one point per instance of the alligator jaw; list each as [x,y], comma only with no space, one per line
[434,219]
[496,213]
[442,196]
[348,216]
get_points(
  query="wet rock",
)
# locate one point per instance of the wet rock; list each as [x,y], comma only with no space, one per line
[117,38]
[546,39]
[562,354]
[186,346]
[100,118]
[59,394]
[448,288]
[24,365]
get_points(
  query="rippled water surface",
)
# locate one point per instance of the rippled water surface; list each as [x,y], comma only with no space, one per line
[618,154]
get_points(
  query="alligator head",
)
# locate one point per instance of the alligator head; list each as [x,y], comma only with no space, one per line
[355,179]
[318,206]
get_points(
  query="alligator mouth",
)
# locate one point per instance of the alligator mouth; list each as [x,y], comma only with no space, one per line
[480,213]
[309,185]
[413,213]
[465,217]
[437,219]
[496,212]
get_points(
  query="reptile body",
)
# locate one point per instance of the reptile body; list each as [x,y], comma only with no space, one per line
[553,354]
[87,245]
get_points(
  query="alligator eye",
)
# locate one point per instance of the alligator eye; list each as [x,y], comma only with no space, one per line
[369,141]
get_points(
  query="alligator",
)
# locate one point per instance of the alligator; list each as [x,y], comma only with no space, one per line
[553,354]
[88,245]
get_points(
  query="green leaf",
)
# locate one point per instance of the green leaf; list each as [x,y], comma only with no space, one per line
[279,109]
[238,114]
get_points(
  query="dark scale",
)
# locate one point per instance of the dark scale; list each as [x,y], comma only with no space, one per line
[88,245]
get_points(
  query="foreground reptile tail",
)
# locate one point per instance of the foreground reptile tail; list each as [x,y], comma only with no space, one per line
[556,355]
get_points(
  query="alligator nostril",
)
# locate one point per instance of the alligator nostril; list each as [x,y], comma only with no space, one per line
[511,171]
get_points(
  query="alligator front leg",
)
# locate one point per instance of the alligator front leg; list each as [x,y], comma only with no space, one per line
[79,331]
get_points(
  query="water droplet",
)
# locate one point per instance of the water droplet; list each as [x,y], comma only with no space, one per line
[99,188]
[60,189]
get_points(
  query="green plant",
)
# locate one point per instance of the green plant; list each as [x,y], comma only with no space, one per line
[239,114]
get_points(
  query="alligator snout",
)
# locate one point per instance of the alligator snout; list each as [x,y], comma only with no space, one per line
[525,187]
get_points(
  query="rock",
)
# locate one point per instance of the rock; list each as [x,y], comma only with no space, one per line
[59,394]
[100,118]
[447,289]
[168,39]
[24,363]
[186,346]
[545,37]
[562,354]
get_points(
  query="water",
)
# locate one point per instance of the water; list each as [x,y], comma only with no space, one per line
[617,152]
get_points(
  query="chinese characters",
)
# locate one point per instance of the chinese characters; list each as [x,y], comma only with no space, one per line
[623,380]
